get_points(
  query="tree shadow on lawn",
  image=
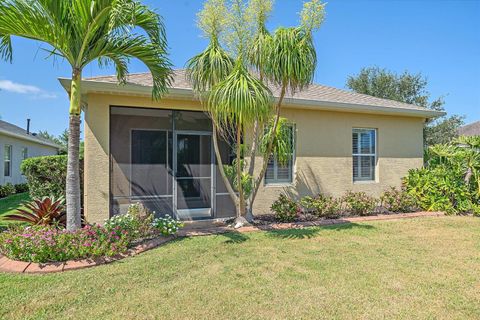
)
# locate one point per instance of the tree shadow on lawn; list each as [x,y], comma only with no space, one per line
[310,232]
[235,237]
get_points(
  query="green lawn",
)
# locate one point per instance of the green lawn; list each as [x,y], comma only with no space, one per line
[425,268]
[10,204]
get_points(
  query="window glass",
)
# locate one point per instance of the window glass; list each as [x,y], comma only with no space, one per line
[7,160]
[278,172]
[24,153]
[364,154]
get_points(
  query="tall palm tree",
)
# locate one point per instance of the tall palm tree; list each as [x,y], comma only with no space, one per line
[288,62]
[83,31]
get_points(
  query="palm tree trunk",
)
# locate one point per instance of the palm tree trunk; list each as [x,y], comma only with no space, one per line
[73,173]
[259,180]
[227,183]
[241,200]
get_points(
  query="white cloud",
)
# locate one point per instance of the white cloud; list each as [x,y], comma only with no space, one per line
[35,92]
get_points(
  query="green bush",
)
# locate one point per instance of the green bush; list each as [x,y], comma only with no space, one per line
[46,176]
[322,206]
[21,188]
[137,221]
[395,200]
[359,203]
[285,209]
[7,190]
[167,225]
[440,188]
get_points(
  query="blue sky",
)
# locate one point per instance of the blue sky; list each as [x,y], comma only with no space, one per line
[440,39]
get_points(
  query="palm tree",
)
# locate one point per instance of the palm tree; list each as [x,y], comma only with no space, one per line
[83,31]
[288,61]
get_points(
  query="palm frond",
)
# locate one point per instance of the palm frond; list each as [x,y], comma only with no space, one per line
[209,67]
[239,100]
[292,59]
[282,146]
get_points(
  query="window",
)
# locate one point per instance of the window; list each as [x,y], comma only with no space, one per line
[364,154]
[7,160]
[24,153]
[281,173]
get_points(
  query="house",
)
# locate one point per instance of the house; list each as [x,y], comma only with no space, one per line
[16,145]
[471,129]
[160,152]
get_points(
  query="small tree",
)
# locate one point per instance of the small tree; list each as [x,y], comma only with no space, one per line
[235,97]
[407,88]
[81,32]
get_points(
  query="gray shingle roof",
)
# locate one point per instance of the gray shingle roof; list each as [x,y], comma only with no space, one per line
[314,92]
[8,128]
[472,129]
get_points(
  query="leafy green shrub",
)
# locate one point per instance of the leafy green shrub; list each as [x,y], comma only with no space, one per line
[394,200]
[21,188]
[7,190]
[167,225]
[359,203]
[322,206]
[137,221]
[47,243]
[45,211]
[285,209]
[46,176]
[440,188]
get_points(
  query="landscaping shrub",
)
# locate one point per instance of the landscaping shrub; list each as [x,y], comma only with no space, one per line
[441,188]
[45,211]
[167,225]
[7,190]
[395,200]
[285,209]
[21,188]
[359,203]
[46,176]
[322,206]
[47,243]
[137,221]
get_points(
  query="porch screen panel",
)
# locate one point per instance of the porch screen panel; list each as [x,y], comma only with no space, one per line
[224,206]
[141,159]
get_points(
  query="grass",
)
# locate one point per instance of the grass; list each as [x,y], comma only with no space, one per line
[425,268]
[10,204]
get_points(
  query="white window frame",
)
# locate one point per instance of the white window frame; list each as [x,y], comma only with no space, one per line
[7,163]
[359,154]
[275,181]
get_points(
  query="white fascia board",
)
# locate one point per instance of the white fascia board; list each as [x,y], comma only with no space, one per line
[31,139]
[179,93]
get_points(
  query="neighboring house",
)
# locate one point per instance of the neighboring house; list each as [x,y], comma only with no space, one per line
[472,129]
[16,145]
[160,152]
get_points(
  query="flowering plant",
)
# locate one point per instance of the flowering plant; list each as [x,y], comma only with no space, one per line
[47,243]
[167,225]
[137,221]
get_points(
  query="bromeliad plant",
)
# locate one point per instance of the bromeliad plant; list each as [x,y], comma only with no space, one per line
[47,211]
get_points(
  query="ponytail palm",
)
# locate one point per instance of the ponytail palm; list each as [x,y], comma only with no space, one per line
[83,31]
[237,102]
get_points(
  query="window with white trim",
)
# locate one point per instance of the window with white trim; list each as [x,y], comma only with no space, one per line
[364,151]
[24,153]
[7,160]
[278,173]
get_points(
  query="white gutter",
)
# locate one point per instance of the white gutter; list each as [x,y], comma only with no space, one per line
[92,86]
[28,138]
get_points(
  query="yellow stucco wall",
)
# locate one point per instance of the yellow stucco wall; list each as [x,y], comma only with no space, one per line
[323,151]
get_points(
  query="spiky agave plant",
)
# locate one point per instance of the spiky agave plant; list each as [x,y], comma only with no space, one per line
[237,102]
[45,211]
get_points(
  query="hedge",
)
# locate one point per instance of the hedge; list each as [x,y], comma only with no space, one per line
[46,176]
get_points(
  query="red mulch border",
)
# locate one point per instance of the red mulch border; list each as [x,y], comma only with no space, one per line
[13,266]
